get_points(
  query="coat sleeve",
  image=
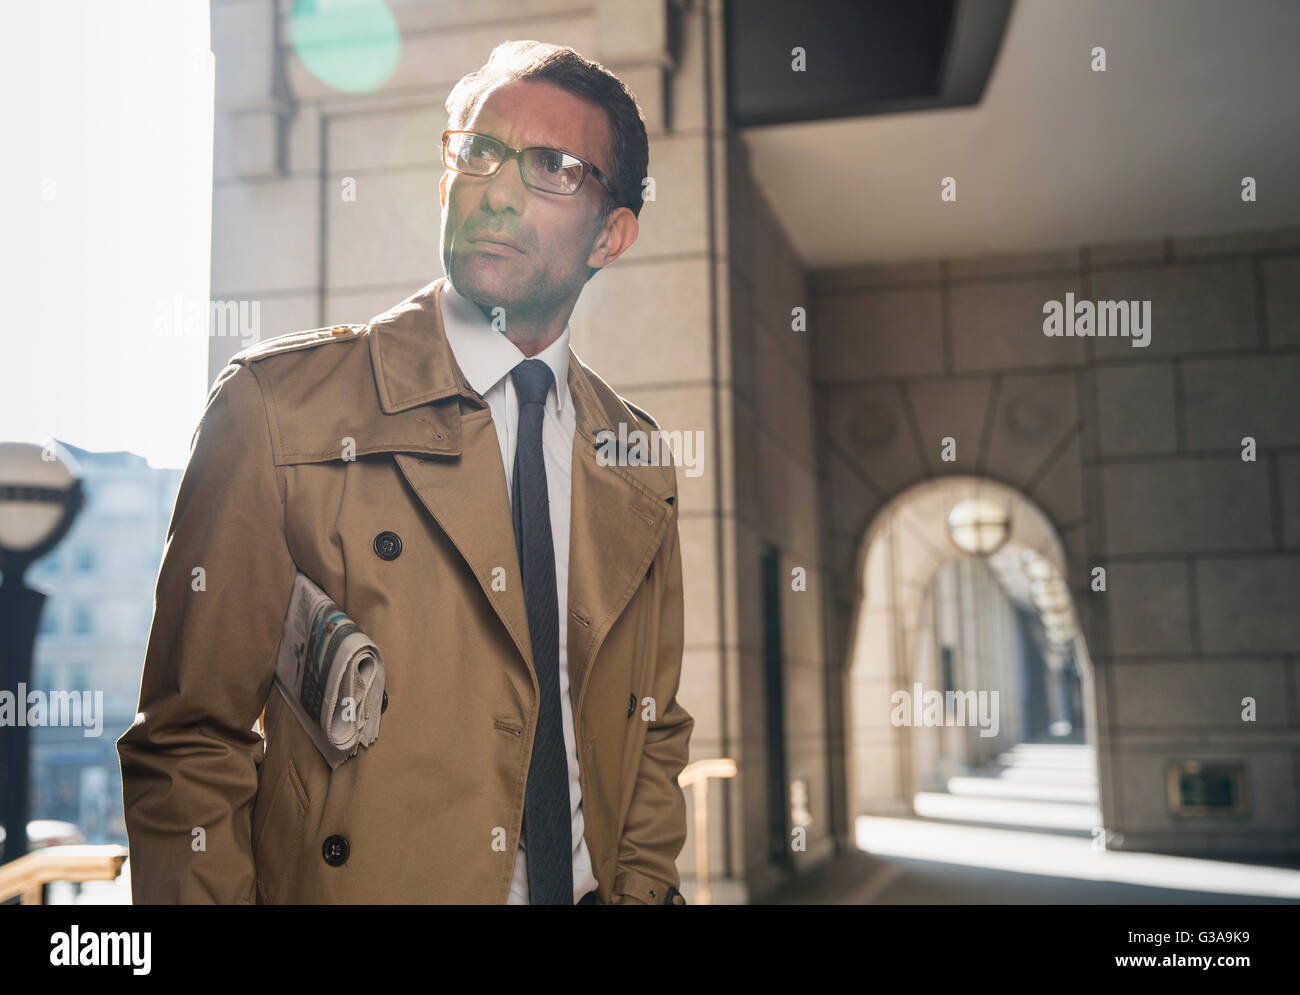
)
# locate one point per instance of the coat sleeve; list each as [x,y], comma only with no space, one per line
[190,761]
[655,829]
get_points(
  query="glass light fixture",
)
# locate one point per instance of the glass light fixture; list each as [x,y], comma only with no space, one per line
[1040,569]
[979,526]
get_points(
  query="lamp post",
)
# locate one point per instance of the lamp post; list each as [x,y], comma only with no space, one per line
[40,496]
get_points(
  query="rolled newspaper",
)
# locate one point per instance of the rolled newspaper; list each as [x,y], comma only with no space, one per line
[330,673]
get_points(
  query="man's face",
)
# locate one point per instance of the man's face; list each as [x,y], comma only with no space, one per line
[556,233]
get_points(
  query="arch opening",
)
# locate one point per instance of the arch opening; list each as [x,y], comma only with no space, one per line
[969,686]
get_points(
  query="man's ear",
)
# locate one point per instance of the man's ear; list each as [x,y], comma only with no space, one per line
[614,239]
[442,189]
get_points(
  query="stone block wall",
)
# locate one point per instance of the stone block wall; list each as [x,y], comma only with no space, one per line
[1135,454]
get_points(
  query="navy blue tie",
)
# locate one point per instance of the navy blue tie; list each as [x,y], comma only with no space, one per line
[548,826]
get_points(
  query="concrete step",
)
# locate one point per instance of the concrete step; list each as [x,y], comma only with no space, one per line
[1048,791]
[1038,762]
[1072,778]
[1011,812]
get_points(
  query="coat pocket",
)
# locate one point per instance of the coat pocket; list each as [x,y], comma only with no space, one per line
[278,823]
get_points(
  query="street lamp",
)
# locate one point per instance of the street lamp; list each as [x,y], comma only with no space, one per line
[40,496]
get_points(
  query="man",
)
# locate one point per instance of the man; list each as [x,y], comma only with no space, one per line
[438,473]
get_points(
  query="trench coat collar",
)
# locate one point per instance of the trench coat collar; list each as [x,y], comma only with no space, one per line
[486,356]
[620,514]
[412,360]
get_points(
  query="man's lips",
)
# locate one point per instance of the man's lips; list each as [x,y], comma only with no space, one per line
[501,241]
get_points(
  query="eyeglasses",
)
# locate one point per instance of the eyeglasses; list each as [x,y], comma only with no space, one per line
[548,170]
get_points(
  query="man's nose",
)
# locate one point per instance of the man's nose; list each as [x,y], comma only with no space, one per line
[505,189]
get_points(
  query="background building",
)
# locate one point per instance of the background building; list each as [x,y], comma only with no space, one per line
[93,634]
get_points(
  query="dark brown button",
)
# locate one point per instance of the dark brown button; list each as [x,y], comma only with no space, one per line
[631,704]
[383,706]
[388,546]
[335,850]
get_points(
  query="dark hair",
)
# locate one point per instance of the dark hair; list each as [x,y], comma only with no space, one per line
[565,68]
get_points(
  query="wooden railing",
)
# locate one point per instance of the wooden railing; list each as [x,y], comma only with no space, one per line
[26,877]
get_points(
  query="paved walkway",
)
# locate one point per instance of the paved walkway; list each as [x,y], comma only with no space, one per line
[1023,831]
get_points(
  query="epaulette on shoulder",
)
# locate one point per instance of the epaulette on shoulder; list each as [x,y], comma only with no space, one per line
[639,411]
[297,340]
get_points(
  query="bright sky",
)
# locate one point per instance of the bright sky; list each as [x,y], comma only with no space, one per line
[105,194]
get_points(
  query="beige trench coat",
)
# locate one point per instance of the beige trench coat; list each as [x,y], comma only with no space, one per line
[432,811]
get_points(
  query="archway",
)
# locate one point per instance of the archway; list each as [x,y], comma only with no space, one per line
[965,646]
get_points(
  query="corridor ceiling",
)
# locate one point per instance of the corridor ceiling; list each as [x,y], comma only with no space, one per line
[1196,95]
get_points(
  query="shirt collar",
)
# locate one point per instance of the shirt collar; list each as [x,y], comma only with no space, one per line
[485,355]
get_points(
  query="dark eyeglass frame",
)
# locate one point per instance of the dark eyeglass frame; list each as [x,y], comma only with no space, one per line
[508,153]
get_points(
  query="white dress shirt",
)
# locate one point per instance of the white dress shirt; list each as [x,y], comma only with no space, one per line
[486,357]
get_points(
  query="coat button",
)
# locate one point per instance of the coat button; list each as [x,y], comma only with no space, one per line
[388,545]
[631,704]
[335,850]
[383,705]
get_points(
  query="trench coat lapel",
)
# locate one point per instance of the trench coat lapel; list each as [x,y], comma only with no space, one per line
[618,515]
[619,519]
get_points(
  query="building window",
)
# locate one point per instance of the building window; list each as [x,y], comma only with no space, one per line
[85,560]
[49,621]
[81,622]
[45,679]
